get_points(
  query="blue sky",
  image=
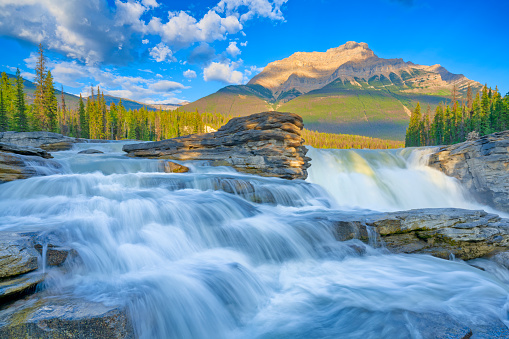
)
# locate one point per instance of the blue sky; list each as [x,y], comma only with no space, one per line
[157,51]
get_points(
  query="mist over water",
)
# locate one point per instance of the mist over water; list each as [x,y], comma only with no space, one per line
[218,254]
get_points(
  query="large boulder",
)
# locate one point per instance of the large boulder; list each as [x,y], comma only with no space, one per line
[481,165]
[439,232]
[267,144]
[45,140]
[42,316]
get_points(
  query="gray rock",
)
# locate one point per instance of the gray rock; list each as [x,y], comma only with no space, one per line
[20,284]
[24,150]
[91,151]
[436,231]
[481,165]
[16,166]
[17,255]
[45,140]
[42,316]
[173,167]
[267,144]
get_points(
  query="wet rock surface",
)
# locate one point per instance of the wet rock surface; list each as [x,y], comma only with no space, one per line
[16,166]
[43,316]
[90,151]
[437,231]
[266,144]
[481,165]
[173,167]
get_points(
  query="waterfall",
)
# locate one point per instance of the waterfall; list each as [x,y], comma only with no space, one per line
[216,253]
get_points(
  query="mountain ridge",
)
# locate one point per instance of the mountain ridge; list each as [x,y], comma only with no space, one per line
[347,89]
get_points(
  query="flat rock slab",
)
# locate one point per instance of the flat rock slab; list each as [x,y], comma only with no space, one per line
[45,140]
[47,317]
[266,144]
[24,150]
[20,284]
[481,165]
[436,231]
[16,166]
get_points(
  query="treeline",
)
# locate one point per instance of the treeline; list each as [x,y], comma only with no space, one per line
[487,113]
[93,118]
[344,141]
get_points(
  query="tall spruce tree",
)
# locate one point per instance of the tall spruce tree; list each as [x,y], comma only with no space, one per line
[83,120]
[50,105]
[4,122]
[413,133]
[40,80]
[21,120]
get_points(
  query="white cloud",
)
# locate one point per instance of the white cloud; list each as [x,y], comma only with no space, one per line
[243,44]
[165,86]
[161,52]
[252,70]
[190,74]
[150,3]
[232,49]
[223,72]
[97,32]
[255,8]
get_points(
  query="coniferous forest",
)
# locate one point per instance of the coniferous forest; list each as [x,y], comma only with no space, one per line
[487,112]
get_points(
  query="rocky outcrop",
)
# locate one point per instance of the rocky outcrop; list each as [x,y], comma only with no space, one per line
[21,260]
[437,231]
[21,162]
[43,316]
[173,167]
[46,140]
[481,165]
[267,144]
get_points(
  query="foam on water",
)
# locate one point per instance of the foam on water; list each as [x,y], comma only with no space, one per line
[215,253]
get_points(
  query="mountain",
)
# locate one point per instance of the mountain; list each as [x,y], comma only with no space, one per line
[347,89]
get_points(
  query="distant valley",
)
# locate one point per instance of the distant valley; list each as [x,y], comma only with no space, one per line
[347,89]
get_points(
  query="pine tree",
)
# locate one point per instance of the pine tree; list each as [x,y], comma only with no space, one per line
[470,98]
[21,121]
[413,134]
[40,80]
[438,125]
[83,129]
[50,105]
[4,122]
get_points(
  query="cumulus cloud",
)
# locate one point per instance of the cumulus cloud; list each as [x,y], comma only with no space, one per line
[252,70]
[223,72]
[95,32]
[255,8]
[243,44]
[161,52]
[190,74]
[232,49]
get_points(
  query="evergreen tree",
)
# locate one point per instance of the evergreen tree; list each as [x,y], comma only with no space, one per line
[413,134]
[470,98]
[50,105]
[40,99]
[21,121]
[438,125]
[4,122]
[83,121]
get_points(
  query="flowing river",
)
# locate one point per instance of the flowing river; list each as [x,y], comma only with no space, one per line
[218,254]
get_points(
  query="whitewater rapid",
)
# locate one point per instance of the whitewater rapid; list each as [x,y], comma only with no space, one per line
[218,254]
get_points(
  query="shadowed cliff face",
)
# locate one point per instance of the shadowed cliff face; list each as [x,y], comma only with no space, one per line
[480,165]
[267,144]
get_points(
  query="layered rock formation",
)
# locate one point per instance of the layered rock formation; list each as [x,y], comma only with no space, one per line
[21,162]
[46,140]
[482,166]
[436,231]
[267,144]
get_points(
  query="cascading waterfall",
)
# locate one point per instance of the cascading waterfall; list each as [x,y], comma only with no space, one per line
[218,254]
